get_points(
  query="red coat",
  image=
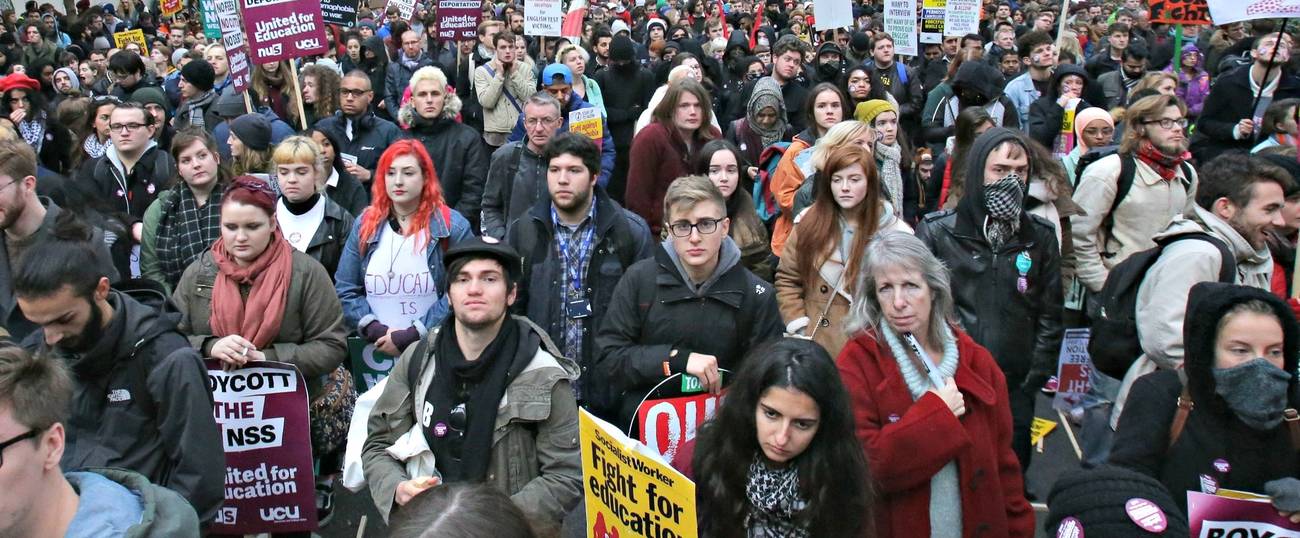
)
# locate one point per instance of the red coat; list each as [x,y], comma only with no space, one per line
[908,442]
[658,157]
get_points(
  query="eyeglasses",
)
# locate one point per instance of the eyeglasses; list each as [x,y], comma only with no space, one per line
[345,92]
[705,227]
[13,441]
[539,122]
[1167,123]
[121,127]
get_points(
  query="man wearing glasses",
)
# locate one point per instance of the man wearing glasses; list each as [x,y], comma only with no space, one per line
[35,395]
[140,398]
[692,309]
[362,136]
[488,392]
[516,177]
[576,244]
[26,218]
[1227,121]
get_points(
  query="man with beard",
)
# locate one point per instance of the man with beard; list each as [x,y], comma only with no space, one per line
[1227,121]
[26,218]
[575,244]
[1238,202]
[1116,84]
[141,400]
[410,58]
[787,70]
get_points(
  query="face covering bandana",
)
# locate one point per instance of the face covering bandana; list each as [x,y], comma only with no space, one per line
[829,70]
[1004,201]
[1255,391]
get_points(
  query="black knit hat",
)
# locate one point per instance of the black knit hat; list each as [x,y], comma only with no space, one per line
[254,130]
[622,49]
[1096,498]
[199,73]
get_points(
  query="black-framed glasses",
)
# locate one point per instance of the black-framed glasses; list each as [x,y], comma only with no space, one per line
[350,92]
[1167,123]
[120,127]
[15,440]
[705,227]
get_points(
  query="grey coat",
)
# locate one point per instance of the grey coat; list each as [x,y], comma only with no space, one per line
[516,181]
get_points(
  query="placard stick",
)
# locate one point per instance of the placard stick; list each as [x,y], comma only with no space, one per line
[297,88]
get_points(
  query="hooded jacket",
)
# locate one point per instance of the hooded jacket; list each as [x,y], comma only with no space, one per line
[940,122]
[141,402]
[1212,431]
[1021,329]
[376,69]
[459,158]
[118,502]
[1046,115]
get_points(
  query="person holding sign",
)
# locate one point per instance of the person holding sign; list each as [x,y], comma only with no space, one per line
[929,403]
[1219,422]
[390,278]
[487,393]
[1227,121]
[779,455]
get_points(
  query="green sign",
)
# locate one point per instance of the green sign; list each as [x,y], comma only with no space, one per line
[691,384]
[369,366]
[208,12]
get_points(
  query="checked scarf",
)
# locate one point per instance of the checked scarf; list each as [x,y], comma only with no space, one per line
[186,231]
[775,506]
[1004,201]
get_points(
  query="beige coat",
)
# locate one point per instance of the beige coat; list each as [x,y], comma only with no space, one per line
[818,306]
[499,114]
[1151,204]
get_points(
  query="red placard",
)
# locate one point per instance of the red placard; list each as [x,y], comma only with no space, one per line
[664,425]
[1179,11]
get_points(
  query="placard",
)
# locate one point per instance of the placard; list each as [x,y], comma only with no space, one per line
[629,492]
[1230,11]
[1073,370]
[171,7]
[586,122]
[283,29]
[1039,429]
[961,17]
[664,425]
[900,23]
[543,18]
[932,14]
[232,38]
[405,8]
[208,12]
[120,39]
[832,14]
[266,434]
[1221,516]
[369,365]
[340,12]
[1179,11]
[458,19]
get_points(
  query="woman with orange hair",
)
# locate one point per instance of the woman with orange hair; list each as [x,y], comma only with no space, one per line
[390,278]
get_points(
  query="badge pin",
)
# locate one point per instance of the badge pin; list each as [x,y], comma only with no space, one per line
[440,429]
[1222,465]
[1069,528]
[1146,515]
[150,188]
[1024,262]
[1209,485]
[1022,284]
[893,417]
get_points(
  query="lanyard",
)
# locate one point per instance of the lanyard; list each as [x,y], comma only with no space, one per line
[573,260]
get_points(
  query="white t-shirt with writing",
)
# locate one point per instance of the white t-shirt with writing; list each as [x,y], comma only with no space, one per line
[399,286]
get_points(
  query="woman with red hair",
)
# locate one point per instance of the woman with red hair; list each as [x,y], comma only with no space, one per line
[391,279]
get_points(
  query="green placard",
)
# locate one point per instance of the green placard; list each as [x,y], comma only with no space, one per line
[368,365]
[691,384]
[208,12]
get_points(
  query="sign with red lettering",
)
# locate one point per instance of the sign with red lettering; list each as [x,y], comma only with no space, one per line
[458,19]
[1232,513]
[1179,11]
[283,29]
[1074,370]
[266,434]
[664,425]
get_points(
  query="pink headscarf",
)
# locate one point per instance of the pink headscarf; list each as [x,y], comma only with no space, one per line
[1082,120]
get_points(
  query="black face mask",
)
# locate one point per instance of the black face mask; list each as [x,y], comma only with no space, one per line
[829,70]
[753,76]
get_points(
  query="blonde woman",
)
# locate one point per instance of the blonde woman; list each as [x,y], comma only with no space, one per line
[576,59]
[310,221]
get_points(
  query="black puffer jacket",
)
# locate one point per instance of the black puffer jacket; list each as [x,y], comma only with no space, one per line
[1045,115]
[459,158]
[655,321]
[371,135]
[141,402]
[622,238]
[1021,330]
[1212,431]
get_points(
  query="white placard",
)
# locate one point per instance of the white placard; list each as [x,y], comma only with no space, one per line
[543,18]
[961,17]
[1230,11]
[900,23]
[833,14]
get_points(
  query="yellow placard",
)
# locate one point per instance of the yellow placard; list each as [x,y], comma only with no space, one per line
[120,39]
[1039,429]
[586,122]
[629,493]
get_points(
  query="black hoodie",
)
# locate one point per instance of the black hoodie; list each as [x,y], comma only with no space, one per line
[1045,115]
[1212,432]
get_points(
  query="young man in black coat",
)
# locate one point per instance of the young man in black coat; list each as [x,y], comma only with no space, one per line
[1227,122]
[626,87]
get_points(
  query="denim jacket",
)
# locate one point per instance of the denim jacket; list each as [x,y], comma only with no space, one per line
[1022,93]
[349,280]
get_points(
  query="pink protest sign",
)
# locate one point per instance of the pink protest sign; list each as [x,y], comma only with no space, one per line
[283,29]
[232,38]
[458,19]
[1216,516]
[266,434]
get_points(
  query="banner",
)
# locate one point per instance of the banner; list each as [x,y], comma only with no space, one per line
[232,38]
[208,12]
[283,29]
[628,492]
[1179,11]
[340,12]
[120,39]
[832,14]
[1073,370]
[1218,516]
[458,19]
[932,14]
[900,23]
[171,7]
[405,8]
[586,122]
[369,365]
[961,17]
[543,18]
[1230,11]
[664,425]
[266,433]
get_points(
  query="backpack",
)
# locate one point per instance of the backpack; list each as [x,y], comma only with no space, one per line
[764,200]
[1114,345]
[1127,171]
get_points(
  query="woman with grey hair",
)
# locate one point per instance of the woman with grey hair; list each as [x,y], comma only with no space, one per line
[930,405]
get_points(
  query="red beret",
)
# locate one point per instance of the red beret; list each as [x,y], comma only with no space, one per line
[19,81]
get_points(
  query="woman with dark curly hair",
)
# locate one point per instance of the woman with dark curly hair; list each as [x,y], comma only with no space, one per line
[320,92]
[779,458]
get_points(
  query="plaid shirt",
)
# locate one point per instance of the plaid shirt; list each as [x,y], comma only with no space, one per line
[573,248]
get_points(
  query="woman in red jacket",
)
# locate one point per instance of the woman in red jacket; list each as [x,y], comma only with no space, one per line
[930,405]
[663,151]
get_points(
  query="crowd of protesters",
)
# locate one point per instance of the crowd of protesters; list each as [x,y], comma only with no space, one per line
[875,256]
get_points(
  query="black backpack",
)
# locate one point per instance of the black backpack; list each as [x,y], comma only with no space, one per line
[1114,344]
[1127,170]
